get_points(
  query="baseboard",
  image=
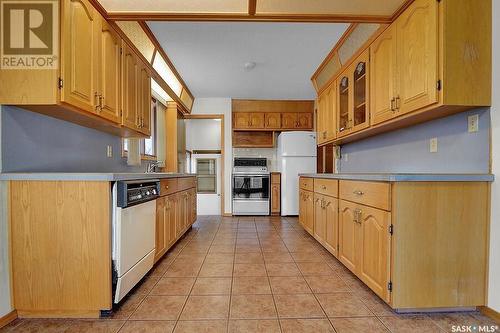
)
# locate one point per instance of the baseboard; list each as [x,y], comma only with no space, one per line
[83,314]
[489,312]
[227,215]
[8,318]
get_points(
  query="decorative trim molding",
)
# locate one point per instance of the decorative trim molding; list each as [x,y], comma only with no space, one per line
[489,312]
[8,318]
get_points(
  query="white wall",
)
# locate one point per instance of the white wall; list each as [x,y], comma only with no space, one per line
[203,134]
[5,297]
[220,106]
[494,269]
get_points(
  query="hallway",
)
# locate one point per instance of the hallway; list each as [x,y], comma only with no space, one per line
[259,274]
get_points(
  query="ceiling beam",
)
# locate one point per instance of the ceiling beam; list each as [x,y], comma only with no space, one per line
[252,7]
[155,16]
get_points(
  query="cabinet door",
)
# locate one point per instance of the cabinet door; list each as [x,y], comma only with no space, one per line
[241,120]
[374,268]
[348,234]
[275,198]
[343,104]
[330,117]
[79,50]
[309,212]
[144,94]
[417,56]
[130,73]
[109,72]
[331,225]
[171,221]
[193,205]
[383,76]
[257,120]
[288,120]
[360,92]
[302,206]
[304,120]
[273,120]
[319,218]
[161,217]
[321,119]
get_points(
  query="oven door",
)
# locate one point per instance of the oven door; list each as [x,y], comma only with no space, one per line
[251,187]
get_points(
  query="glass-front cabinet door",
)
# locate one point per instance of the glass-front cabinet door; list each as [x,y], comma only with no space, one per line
[343,104]
[360,92]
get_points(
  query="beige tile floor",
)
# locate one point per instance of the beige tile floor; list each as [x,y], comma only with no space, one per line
[252,275]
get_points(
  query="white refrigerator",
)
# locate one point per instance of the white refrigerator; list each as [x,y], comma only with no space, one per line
[296,155]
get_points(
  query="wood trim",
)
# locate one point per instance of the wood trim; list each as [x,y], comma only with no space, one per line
[488,312]
[222,147]
[159,48]
[77,314]
[219,17]
[8,318]
[401,9]
[252,7]
[97,5]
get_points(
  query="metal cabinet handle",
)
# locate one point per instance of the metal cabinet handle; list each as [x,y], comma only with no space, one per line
[392,104]
[357,215]
[358,192]
[96,100]
[398,103]
[323,187]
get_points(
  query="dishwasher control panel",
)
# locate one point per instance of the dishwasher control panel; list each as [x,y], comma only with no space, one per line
[134,192]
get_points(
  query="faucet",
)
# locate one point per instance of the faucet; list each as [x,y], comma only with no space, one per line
[152,166]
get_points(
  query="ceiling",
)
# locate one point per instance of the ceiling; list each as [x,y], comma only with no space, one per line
[210,56]
[300,10]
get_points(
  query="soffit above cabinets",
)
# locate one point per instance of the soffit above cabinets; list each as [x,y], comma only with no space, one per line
[377,11]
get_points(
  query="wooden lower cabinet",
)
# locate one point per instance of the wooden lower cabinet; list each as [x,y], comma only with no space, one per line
[275,193]
[175,214]
[411,243]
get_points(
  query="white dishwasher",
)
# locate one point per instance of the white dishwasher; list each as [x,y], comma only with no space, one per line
[134,221]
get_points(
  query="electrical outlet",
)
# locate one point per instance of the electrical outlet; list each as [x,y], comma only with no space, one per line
[473,123]
[109,151]
[433,145]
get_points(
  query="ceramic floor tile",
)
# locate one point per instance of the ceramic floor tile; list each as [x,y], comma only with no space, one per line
[411,324]
[277,257]
[201,326]
[307,326]
[307,257]
[206,307]
[315,268]
[282,269]
[298,306]
[251,285]
[159,308]
[173,286]
[219,258]
[249,270]
[183,269]
[252,307]
[326,284]
[249,325]
[132,326]
[249,258]
[38,325]
[146,285]
[367,324]
[94,326]
[289,285]
[212,286]
[216,270]
[343,305]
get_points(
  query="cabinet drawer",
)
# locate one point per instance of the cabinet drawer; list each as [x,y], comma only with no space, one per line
[186,183]
[373,194]
[327,187]
[306,183]
[168,186]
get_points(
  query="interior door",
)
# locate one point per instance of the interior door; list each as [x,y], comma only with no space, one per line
[348,234]
[80,55]
[417,56]
[319,218]
[383,77]
[130,118]
[374,268]
[331,225]
[209,191]
[109,72]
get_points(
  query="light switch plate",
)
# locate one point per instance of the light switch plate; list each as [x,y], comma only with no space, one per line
[473,123]
[433,145]
[109,151]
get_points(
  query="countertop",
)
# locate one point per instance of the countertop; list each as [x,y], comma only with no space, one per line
[405,177]
[92,176]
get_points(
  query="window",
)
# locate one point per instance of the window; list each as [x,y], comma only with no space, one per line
[147,145]
[207,175]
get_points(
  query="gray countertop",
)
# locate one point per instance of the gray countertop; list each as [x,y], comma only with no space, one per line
[92,176]
[405,177]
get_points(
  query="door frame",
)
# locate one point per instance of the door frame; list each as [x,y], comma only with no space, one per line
[221,117]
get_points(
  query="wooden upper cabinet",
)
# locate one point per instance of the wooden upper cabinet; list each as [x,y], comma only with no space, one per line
[320,118]
[130,71]
[343,103]
[417,56]
[273,120]
[109,73]
[144,93]
[79,51]
[288,120]
[257,120]
[330,117]
[241,120]
[304,120]
[383,69]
